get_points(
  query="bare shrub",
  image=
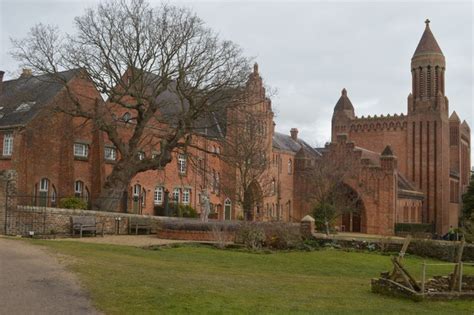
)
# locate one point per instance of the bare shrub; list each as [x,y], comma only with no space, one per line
[252,235]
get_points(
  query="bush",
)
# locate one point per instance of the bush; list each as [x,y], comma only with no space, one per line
[73,203]
[187,211]
[324,212]
[197,225]
[251,235]
[282,236]
[181,211]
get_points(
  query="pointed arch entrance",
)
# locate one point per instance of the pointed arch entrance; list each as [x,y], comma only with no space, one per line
[349,203]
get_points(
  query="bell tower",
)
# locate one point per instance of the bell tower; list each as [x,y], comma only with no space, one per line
[428,131]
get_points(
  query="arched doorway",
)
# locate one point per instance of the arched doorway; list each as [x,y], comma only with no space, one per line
[351,207]
[253,202]
[227,209]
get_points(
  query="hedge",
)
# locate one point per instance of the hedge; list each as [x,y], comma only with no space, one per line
[414,227]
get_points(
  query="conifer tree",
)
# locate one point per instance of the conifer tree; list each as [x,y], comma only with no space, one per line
[468,200]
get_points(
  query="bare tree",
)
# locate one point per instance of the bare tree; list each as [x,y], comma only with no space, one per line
[162,71]
[245,155]
[326,188]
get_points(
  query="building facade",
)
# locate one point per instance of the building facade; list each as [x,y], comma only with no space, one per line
[432,146]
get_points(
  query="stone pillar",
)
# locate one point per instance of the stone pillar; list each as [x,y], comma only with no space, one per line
[307,226]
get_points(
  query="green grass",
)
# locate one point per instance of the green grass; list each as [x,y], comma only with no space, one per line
[127,280]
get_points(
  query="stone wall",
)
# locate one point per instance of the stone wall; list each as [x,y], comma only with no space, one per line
[56,221]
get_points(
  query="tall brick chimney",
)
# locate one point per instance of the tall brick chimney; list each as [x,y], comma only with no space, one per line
[1,80]
[294,133]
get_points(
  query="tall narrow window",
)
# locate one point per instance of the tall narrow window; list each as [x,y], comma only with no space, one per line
[182,164]
[8,144]
[158,197]
[186,196]
[43,192]
[78,188]
[136,190]
[44,184]
[290,166]
[176,195]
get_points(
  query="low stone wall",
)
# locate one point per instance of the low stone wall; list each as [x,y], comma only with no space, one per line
[196,235]
[56,221]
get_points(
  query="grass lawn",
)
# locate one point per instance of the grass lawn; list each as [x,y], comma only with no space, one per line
[198,279]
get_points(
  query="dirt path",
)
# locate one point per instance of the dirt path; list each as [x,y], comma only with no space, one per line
[33,282]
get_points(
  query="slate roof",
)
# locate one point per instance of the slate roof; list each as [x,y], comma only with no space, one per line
[428,43]
[21,99]
[286,143]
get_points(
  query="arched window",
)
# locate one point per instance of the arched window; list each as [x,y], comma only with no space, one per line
[54,197]
[290,166]
[143,197]
[43,192]
[78,189]
[158,196]
[227,209]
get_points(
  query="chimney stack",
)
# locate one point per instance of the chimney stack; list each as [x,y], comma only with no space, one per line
[294,133]
[1,80]
[26,73]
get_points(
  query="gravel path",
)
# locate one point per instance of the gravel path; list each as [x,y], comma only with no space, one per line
[128,240]
[34,282]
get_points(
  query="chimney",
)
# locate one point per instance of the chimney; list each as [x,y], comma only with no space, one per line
[294,133]
[1,80]
[26,73]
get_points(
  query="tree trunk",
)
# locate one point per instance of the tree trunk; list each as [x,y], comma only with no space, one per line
[114,194]
[326,223]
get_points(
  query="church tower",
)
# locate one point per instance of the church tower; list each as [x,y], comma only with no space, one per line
[428,132]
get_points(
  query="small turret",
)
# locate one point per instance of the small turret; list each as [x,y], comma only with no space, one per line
[344,105]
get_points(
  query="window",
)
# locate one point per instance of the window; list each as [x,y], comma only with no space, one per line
[81,150]
[44,183]
[186,196]
[110,153]
[127,117]
[218,183]
[218,150]
[53,196]
[290,166]
[273,186]
[78,188]
[141,155]
[143,198]
[136,190]
[176,194]
[8,144]
[158,197]
[182,164]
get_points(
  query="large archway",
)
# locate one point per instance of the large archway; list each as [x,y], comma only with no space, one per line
[349,204]
[253,205]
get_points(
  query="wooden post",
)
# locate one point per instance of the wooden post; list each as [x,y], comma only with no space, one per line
[457,266]
[460,276]
[423,276]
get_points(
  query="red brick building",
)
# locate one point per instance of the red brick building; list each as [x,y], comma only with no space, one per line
[411,168]
[431,145]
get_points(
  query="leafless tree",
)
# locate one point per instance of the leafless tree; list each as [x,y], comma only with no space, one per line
[246,158]
[162,67]
[326,186]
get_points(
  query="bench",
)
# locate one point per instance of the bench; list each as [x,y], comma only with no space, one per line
[138,224]
[85,223]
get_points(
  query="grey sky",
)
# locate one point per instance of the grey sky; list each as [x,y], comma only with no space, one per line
[310,50]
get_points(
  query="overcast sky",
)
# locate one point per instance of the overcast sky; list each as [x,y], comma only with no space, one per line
[309,50]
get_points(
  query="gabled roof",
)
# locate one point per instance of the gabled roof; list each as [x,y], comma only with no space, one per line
[21,99]
[454,117]
[287,143]
[428,43]
[407,190]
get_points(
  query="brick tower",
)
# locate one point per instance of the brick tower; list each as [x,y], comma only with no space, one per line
[428,132]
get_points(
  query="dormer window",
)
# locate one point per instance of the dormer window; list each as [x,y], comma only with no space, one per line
[81,150]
